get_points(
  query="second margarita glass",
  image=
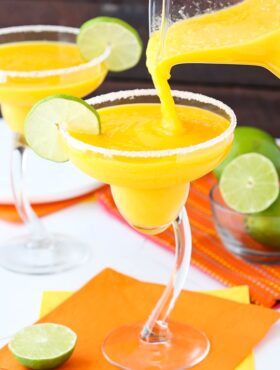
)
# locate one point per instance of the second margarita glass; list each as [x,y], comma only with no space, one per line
[47,62]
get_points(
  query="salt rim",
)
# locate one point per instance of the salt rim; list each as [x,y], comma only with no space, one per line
[47,73]
[130,94]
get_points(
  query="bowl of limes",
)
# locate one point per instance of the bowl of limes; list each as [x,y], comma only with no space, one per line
[246,200]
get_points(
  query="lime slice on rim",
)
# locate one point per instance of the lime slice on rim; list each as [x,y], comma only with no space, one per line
[43,122]
[99,33]
[250,183]
[43,346]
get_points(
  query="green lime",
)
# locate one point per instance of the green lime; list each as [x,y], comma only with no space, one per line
[250,183]
[43,124]
[264,227]
[99,33]
[43,346]
[251,140]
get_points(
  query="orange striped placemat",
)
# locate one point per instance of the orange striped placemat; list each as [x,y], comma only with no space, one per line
[9,213]
[209,254]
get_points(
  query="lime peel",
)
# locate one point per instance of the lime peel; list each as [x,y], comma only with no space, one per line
[251,140]
[264,226]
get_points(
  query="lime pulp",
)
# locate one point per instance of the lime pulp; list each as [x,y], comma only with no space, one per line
[43,346]
[250,183]
[123,40]
[49,116]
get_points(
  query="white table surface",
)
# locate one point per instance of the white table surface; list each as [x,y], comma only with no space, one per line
[113,245]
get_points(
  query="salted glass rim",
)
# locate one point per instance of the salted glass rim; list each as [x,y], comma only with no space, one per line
[130,94]
[49,72]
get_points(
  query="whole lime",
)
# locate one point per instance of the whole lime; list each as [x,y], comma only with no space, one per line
[251,140]
[264,227]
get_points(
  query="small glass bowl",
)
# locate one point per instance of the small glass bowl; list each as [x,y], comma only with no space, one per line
[254,238]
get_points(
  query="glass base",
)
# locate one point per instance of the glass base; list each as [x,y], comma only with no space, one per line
[38,257]
[187,347]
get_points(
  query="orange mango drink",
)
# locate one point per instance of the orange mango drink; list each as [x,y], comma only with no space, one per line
[246,33]
[19,93]
[150,190]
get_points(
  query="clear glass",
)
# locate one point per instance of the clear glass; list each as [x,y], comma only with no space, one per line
[159,343]
[247,34]
[255,238]
[38,251]
[169,11]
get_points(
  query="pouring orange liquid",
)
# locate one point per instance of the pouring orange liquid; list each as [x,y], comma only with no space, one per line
[18,94]
[148,191]
[247,33]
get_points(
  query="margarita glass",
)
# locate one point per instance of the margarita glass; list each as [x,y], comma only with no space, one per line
[37,61]
[150,189]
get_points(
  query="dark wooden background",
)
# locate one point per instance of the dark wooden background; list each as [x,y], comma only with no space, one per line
[253,93]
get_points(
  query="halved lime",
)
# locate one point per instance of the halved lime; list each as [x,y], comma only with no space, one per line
[99,33]
[251,140]
[43,346]
[250,183]
[43,123]
[264,226]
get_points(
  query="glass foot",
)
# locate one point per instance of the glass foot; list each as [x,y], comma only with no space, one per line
[186,348]
[48,256]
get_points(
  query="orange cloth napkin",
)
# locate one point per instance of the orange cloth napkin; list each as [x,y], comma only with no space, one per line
[112,299]
[9,213]
[209,254]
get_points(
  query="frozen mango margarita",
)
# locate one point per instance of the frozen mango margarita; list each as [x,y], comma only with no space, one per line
[150,191]
[33,70]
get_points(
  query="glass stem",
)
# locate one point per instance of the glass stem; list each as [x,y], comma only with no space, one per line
[22,204]
[156,328]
